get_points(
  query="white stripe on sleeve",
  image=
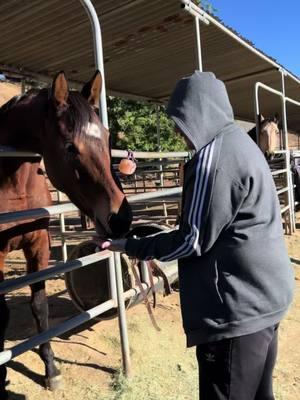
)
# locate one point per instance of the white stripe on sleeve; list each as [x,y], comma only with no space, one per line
[196,209]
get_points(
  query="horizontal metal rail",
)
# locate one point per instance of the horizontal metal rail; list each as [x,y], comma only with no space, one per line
[69,207]
[150,154]
[283,190]
[34,213]
[13,284]
[284,209]
[65,326]
[57,330]
[280,152]
[279,171]
[5,152]
[21,154]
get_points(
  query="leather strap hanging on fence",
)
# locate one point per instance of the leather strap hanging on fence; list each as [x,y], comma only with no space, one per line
[134,266]
[153,267]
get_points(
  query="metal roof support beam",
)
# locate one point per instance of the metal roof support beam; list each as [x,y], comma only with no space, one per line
[98,52]
[196,12]
[198,41]
[34,76]
[206,18]
[132,96]
[245,77]
[190,7]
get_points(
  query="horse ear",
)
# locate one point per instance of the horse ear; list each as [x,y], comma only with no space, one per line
[92,89]
[60,89]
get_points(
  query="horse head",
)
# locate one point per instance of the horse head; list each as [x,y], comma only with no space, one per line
[268,135]
[76,151]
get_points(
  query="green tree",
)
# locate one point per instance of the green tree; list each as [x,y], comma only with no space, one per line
[206,6]
[133,125]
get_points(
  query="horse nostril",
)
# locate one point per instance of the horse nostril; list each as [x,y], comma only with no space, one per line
[118,224]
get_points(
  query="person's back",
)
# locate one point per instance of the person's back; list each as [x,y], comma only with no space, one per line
[243,281]
[235,277]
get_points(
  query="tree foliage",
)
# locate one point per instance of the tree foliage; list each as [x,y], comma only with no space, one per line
[133,125]
[206,5]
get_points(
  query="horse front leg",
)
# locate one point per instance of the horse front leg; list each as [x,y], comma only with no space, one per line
[37,256]
[4,319]
[40,311]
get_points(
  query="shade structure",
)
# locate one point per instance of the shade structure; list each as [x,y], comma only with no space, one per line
[148,46]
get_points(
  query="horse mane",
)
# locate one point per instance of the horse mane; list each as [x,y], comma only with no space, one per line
[80,114]
[79,110]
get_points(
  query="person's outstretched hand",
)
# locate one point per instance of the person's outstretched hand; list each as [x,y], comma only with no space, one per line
[113,245]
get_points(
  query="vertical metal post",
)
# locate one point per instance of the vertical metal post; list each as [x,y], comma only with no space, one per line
[158,127]
[286,146]
[112,279]
[135,183]
[198,41]
[161,174]
[23,86]
[62,228]
[145,273]
[284,116]
[122,316]
[98,53]
[256,108]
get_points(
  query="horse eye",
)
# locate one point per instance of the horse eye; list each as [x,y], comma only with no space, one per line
[71,148]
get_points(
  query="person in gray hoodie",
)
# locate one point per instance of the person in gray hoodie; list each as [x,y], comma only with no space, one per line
[236,281]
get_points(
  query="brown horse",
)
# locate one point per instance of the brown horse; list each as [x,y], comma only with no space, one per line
[62,126]
[268,135]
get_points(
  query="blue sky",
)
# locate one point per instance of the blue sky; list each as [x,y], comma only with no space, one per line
[273,26]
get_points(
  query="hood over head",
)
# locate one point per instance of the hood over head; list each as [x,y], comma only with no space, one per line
[200,107]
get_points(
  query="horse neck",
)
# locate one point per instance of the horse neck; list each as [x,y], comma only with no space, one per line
[22,125]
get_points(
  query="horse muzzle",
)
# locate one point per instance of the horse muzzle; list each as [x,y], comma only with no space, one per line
[119,223]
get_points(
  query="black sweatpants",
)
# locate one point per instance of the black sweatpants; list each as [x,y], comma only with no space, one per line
[239,368]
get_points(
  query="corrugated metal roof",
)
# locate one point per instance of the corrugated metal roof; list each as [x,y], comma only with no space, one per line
[148,46]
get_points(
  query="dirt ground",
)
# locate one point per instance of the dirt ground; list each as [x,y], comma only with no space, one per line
[162,368]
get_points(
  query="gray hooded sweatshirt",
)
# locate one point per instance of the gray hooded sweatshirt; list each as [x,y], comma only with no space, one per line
[234,271]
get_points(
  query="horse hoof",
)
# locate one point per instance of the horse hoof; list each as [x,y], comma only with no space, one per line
[54,383]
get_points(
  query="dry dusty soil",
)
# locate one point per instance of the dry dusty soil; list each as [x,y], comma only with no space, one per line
[162,368]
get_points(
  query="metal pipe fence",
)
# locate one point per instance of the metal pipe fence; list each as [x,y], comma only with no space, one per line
[69,207]
[115,277]
[289,203]
[115,271]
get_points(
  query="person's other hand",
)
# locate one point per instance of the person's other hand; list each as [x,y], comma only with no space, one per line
[113,245]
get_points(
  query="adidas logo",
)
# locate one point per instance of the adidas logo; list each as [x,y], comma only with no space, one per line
[210,357]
